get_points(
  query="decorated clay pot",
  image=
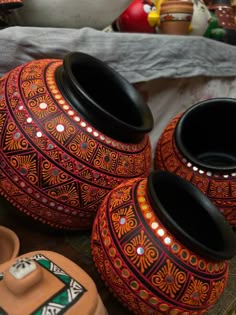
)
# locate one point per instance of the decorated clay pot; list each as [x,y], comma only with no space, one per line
[70,132]
[175,17]
[10,4]
[45,282]
[139,17]
[9,244]
[223,10]
[200,148]
[162,246]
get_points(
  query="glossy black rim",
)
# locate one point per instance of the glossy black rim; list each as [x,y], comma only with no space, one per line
[190,216]
[104,97]
[10,5]
[204,134]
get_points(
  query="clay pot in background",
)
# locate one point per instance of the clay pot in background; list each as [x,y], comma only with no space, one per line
[161,246]
[9,244]
[175,17]
[70,132]
[45,282]
[198,145]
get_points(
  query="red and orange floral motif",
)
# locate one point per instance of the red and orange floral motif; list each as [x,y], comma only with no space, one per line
[124,220]
[196,293]
[169,279]
[141,251]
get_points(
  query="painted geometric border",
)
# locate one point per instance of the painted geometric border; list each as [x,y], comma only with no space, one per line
[61,300]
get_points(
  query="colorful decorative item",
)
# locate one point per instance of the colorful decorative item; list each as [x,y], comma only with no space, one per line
[176,16]
[140,17]
[70,132]
[201,18]
[47,283]
[9,244]
[10,4]
[161,246]
[196,148]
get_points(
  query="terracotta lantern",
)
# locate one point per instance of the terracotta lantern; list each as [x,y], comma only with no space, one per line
[162,247]
[198,145]
[70,131]
[45,282]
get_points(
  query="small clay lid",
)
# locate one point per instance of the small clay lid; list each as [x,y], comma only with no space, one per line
[44,282]
[9,244]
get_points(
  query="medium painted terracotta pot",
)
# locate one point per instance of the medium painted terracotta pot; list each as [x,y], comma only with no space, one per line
[198,145]
[70,132]
[162,246]
[45,282]
[10,4]
[176,16]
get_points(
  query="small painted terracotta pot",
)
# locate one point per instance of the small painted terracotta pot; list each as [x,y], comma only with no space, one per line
[175,17]
[9,244]
[161,246]
[69,133]
[200,148]
[10,4]
[45,282]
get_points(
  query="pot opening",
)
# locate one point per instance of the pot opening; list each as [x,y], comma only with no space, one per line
[205,134]
[189,215]
[105,98]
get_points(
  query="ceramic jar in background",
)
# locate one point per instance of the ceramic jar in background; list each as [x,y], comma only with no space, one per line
[10,4]
[201,18]
[69,133]
[161,246]
[198,145]
[175,17]
[9,244]
[75,14]
[45,282]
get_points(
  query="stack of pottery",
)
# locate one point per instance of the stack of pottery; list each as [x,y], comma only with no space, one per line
[176,16]
[70,132]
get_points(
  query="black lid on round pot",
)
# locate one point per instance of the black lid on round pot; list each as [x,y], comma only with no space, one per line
[205,132]
[190,216]
[104,97]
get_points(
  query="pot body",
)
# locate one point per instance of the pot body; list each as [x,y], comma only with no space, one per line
[144,265]
[175,17]
[75,14]
[55,166]
[218,184]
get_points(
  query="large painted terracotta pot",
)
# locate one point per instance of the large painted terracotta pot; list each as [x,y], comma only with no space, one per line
[162,246]
[198,145]
[69,133]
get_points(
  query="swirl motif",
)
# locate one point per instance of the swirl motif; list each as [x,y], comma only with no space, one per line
[144,258]
[66,194]
[169,279]
[26,166]
[124,220]
[47,104]
[60,128]
[83,146]
[125,165]
[52,175]
[105,159]
[13,139]
[217,290]
[91,193]
[33,87]
[219,189]
[120,195]
[33,71]
[196,293]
